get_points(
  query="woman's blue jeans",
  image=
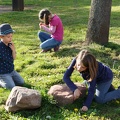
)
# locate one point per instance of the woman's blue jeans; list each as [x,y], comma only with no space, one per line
[102,94]
[47,42]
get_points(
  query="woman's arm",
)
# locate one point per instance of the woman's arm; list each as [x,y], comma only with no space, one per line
[51,29]
[91,92]
[67,75]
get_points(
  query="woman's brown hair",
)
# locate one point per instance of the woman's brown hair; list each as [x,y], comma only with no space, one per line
[88,61]
[44,15]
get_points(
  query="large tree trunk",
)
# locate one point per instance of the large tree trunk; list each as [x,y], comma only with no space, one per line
[17,5]
[99,21]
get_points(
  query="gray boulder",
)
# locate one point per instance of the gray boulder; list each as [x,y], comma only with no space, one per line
[23,98]
[63,95]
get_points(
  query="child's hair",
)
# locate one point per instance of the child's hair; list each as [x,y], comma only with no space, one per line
[88,61]
[44,15]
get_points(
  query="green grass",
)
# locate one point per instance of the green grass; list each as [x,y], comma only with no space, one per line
[41,71]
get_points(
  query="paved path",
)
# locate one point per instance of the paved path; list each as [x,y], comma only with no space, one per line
[6,8]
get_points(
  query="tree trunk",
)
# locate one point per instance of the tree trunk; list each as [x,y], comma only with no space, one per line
[99,21]
[17,5]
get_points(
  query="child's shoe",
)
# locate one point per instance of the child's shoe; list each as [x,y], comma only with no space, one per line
[112,88]
[56,48]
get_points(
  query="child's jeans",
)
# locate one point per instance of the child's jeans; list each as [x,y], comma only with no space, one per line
[102,94]
[10,80]
[47,41]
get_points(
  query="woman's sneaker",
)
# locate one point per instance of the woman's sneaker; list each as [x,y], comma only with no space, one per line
[56,49]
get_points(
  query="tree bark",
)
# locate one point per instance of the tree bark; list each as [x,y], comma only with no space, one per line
[99,21]
[17,5]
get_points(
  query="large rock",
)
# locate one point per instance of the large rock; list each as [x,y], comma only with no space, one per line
[63,95]
[23,98]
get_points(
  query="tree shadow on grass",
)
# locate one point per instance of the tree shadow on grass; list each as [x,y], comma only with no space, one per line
[105,55]
[113,46]
[74,49]
[70,52]
[71,49]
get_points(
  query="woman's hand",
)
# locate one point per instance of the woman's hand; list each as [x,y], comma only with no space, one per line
[77,94]
[84,108]
[40,25]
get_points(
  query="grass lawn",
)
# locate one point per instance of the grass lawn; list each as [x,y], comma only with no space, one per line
[41,71]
